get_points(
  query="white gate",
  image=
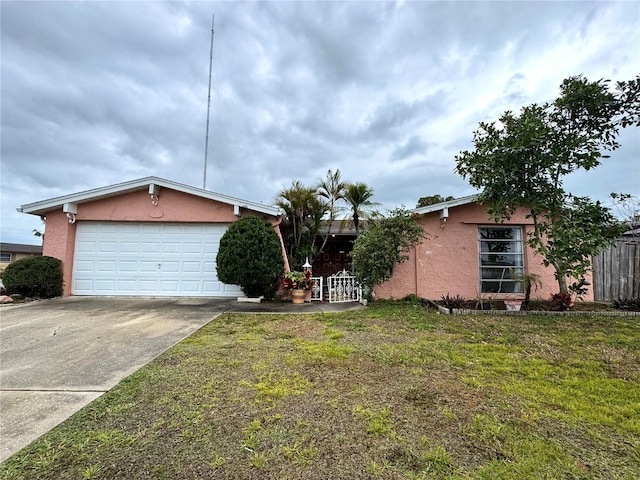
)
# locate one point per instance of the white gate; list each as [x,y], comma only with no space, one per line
[343,288]
[316,291]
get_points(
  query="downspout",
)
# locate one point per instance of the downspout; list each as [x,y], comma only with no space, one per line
[415,268]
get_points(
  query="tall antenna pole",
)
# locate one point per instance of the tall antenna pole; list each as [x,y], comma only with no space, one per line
[206,138]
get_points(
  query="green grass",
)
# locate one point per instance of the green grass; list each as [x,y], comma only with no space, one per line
[394,392]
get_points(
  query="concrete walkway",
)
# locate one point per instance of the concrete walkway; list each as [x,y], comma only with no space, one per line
[56,356]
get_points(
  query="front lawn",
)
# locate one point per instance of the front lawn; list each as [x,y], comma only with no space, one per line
[393,391]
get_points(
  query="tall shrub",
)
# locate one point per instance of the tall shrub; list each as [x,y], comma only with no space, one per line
[384,244]
[250,255]
[37,276]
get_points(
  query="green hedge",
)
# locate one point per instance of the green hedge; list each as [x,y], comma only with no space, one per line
[37,276]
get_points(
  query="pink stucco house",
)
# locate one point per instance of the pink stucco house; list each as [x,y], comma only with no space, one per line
[155,237]
[468,254]
[147,237]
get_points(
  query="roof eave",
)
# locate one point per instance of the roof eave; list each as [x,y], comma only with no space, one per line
[44,206]
[437,207]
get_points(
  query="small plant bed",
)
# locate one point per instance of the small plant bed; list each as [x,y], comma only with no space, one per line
[537,305]
[395,391]
[578,306]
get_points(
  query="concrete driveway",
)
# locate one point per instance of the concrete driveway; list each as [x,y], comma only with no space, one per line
[56,356]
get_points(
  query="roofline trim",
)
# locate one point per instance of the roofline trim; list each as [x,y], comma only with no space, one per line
[438,207]
[41,207]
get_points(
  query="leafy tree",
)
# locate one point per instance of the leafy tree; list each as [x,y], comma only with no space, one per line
[432,200]
[358,196]
[250,255]
[383,245]
[522,159]
[303,211]
[36,276]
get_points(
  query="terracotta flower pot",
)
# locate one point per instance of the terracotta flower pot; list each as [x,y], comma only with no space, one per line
[297,296]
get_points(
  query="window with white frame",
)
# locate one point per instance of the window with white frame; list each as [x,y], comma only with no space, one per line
[5,257]
[501,259]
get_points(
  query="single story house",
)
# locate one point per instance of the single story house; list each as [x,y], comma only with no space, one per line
[155,237]
[145,237]
[466,253]
[10,252]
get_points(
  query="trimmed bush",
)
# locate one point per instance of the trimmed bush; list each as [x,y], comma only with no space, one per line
[250,255]
[37,276]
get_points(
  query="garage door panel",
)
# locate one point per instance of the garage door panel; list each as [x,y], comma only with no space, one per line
[128,247]
[148,259]
[210,268]
[83,285]
[192,267]
[151,228]
[149,247]
[148,267]
[169,286]
[170,248]
[83,266]
[106,266]
[192,248]
[107,247]
[127,266]
[85,247]
[170,267]
[126,287]
[149,287]
[103,285]
[214,287]
[94,227]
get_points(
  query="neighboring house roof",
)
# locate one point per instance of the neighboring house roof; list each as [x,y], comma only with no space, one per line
[20,248]
[437,207]
[634,229]
[341,227]
[150,183]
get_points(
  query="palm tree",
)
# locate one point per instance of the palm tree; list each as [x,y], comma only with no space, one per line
[333,189]
[303,213]
[358,197]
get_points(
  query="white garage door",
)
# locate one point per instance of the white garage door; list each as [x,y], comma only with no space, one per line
[148,259]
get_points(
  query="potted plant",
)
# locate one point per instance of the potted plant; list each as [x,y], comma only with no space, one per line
[298,283]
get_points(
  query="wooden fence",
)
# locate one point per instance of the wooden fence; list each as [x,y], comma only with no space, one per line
[616,271]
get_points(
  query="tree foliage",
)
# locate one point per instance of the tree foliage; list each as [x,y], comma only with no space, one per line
[521,161]
[358,196]
[332,189]
[432,200]
[303,214]
[309,213]
[36,276]
[250,255]
[383,245]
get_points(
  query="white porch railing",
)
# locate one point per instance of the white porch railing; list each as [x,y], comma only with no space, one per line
[316,291]
[343,288]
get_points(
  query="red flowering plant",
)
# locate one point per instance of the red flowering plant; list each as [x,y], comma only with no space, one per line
[298,280]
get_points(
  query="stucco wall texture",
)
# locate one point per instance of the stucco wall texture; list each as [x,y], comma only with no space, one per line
[447,261]
[173,206]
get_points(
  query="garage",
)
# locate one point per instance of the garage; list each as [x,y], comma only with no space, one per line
[148,259]
[147,237]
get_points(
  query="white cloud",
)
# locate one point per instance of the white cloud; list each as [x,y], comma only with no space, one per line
[95,93]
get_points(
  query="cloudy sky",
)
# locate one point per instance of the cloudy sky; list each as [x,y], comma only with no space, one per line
[96,93]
